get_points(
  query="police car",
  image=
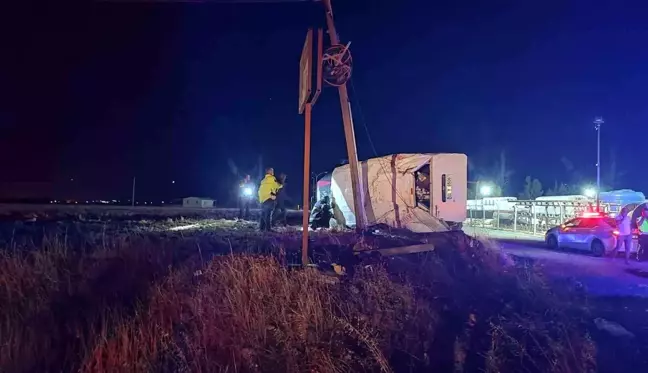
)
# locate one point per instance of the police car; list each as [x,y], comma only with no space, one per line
[592,231]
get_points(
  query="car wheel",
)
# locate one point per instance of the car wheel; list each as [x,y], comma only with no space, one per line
[598,249]
[552,242]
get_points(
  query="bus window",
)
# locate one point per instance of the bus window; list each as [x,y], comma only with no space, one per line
[446,188]
[422,187]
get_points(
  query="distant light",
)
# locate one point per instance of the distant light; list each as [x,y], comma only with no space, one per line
[172,181]
[247,191]
[485,190]
[589,192]
[163,202]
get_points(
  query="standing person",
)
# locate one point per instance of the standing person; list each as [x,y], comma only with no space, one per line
[642,227]
[267,196]
[279,214]
[624,227]
[246,193]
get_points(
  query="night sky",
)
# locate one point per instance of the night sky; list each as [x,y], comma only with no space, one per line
[105,91]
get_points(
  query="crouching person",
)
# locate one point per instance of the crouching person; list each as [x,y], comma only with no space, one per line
[321,216]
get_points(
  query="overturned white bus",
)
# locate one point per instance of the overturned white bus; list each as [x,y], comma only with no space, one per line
[419,192]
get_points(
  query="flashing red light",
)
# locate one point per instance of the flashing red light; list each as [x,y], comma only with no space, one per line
[592,215]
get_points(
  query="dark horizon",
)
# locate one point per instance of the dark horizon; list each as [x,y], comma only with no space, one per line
[106,91]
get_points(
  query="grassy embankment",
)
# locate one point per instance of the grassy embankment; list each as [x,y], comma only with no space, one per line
[165,303]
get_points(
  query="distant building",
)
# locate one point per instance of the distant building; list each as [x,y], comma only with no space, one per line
[197,202]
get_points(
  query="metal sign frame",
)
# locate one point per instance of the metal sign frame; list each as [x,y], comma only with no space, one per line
[306,72]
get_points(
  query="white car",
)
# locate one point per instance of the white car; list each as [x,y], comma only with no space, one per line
[593,232]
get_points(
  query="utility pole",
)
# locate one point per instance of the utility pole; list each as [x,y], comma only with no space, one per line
[133,195]
[597,125]
[349,133]
[305,197]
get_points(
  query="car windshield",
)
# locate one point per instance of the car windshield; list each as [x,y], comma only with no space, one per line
[572,223]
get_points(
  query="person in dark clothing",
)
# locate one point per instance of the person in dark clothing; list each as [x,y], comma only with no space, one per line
[267,208]
[642,230]
[267,196]
[321,217]
[279,214]
[246,195]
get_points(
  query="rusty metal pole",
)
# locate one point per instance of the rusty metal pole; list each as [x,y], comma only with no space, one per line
[305,212]
[349,133]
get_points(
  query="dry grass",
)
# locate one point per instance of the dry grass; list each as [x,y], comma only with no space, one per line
[248,313]
[54,302]
[139,306]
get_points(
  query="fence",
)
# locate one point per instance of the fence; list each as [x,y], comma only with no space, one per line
[529,216]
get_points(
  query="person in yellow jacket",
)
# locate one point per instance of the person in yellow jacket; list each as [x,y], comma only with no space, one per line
[267,197]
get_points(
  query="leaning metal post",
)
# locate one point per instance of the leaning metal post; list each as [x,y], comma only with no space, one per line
[349,133]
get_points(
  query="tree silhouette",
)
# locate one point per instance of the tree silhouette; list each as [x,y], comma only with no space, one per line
[559,189]
[498,176]
[576,177]
[532,189]
[612,176]
[501,171]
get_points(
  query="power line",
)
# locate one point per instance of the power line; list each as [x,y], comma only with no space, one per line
[208,1]
[373,148]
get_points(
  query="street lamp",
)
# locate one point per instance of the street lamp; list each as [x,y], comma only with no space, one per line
[485,190]
[597,126]
[589,192]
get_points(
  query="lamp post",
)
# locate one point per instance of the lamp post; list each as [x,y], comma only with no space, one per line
[597,125]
